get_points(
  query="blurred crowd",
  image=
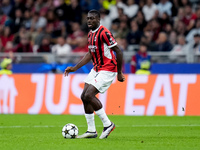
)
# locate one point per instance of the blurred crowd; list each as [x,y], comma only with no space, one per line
[59,26]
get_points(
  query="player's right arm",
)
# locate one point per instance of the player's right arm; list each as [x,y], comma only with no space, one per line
[82,62]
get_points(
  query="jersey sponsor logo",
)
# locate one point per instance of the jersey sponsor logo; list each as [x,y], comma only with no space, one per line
[92,48]
[55,94]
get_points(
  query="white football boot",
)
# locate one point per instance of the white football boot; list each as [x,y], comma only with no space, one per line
[87,135]
[107,130]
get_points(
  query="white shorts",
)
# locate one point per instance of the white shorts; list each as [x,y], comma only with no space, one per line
[100,80]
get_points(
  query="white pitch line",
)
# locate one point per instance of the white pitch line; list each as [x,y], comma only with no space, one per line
[192,125]
[51,126]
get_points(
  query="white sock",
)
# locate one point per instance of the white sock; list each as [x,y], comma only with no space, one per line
[102,115]
[90,122]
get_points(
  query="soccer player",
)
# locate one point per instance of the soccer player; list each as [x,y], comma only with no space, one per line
[101,45]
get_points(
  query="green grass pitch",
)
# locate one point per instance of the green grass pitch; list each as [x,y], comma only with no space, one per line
[43,132]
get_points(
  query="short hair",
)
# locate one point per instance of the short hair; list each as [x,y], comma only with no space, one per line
[93,11]
[143,44]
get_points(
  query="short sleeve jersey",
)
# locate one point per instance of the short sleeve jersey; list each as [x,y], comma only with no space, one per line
[100,43]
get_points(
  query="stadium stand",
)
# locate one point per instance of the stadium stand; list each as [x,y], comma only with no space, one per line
[30,29]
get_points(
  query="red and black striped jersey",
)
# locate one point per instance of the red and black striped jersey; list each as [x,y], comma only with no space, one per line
[100,43]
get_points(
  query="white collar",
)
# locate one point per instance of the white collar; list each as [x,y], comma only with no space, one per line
[96,29]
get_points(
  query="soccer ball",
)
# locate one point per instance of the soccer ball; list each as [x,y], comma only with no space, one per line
[70,131]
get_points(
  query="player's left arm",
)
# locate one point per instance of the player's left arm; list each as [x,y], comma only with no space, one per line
[119,56]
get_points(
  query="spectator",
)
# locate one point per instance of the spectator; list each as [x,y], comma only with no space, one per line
[48,31]
[180,28]
[18,35]
[37,22]
[27,19]
[179,17]
[45,46]
[164,6]
[88,5]
[164,20]
[9,47]
[82,44]
[135,34]
[140,20]
[183,3]
[50,4]
[173,38]
[198,13]
[76,32]
[62,11]
[189,18]
[175,6]
[114,27]
[17,5]
[123,30]
[141,4]
[29,4]
[168,28]
[59,26]
[6,7]
[149,10]
[17,20]
[154,27]
[131,8]
[147,39]
[180,48]
[120,14]
[116,10]
[195,44]
[193,48]
[38,6]
[24,45]
[6,66]
[122,42]
[105,19]
[61,48]
[140,58]
[7,36]
[194,31]
[3,18]
[75,11]
[163,45]
[43,12]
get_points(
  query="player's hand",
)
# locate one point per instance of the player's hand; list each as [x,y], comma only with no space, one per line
[68,70]
[120,77]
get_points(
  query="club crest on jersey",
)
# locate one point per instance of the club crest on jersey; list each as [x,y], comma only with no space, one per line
[95,38]
[92,48]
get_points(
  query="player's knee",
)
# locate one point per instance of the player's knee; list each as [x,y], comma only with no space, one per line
[87,96]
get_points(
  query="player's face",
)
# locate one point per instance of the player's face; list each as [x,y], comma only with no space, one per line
[92,21]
